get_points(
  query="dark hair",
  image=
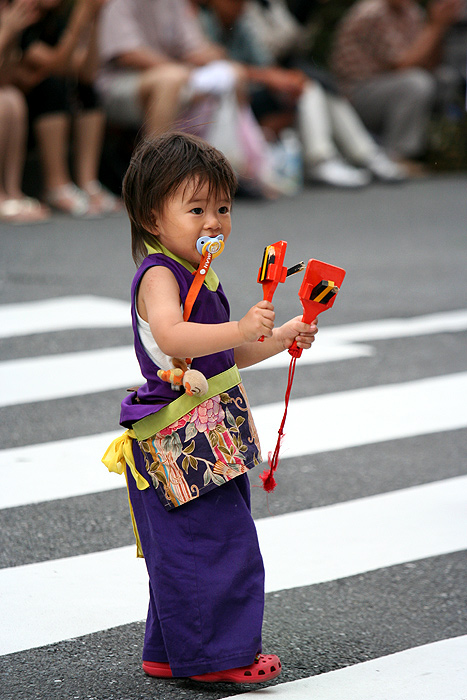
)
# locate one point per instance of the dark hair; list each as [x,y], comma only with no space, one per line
[158,167]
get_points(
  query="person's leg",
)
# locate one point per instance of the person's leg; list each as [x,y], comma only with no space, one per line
[398,106]
[15,207]
[160,91]
[207,578]
[15,145]
[50,115]
[322,160]
[88,137]
[356,143]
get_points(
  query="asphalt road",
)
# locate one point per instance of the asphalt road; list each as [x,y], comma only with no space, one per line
[405,252]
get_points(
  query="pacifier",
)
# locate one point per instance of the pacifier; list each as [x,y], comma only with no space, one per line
[206,244]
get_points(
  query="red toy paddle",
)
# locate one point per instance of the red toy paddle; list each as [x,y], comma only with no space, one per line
[317,293]
[272,270]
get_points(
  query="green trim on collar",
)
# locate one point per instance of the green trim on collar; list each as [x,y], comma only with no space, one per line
[152,424]
[211,280]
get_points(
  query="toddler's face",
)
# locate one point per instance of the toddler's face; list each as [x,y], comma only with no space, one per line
[189,214]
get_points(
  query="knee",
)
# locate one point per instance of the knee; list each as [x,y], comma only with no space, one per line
[171,76]
[420,85]
[14,103]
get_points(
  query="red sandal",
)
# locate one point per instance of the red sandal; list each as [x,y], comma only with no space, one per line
[156,669]
[264,668]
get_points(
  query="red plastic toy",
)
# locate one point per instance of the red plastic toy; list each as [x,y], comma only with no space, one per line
[317,293]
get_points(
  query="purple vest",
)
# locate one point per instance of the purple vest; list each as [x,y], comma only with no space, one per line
[209,307]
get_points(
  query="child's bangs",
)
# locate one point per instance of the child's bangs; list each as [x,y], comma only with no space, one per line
[217,187]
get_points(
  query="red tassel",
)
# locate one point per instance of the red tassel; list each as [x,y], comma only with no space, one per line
[267,477]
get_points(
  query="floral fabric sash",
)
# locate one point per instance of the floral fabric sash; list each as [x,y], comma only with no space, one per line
[208,446]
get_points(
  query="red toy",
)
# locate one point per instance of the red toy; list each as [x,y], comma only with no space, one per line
[317,293]
[272,270]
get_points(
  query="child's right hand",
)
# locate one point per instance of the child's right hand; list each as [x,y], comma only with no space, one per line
[257,322]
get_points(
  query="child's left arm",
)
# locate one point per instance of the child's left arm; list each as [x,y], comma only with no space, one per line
[282,338]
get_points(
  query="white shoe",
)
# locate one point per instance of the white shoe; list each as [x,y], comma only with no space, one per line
[338,173]
[385,169]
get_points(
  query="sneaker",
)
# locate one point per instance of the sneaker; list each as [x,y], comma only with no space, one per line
[338,173]
[385,169]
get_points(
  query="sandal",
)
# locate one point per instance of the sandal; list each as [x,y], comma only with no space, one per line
[23,210]
[102,201]
[264,668]
[69,199]
[157,670]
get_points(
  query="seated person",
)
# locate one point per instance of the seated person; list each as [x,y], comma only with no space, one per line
[387,57]
[15,207]
[281,96]
[56,73]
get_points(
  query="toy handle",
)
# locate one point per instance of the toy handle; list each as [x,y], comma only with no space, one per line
[268,296]
[294,350]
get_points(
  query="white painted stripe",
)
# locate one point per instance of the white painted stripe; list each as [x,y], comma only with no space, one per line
[299,549]
[51,377]
[315,424]
[87,311]
[74,374]
[435,671]
[61,314]
[52,470]
[331,338]
[365,416]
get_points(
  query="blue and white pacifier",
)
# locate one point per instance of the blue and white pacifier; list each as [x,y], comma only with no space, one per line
[206,244]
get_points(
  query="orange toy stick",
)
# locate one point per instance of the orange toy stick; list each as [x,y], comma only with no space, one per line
[317,292]
[272,270]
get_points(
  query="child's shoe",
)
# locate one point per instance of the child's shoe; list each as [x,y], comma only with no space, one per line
[264,668]
[157,669]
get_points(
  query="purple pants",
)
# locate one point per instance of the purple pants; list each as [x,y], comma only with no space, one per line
[206,577]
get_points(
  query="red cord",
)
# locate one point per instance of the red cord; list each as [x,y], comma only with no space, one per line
[267,477]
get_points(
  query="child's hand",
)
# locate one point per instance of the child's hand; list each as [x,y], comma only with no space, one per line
[295,329]
[257,322]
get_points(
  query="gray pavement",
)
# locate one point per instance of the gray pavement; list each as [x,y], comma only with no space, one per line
[405,251]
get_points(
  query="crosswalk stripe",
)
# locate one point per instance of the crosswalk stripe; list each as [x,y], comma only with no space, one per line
[29,380]
[63,313]
[316,424]
[432,671]
[72,374]
[299,549]
[88,311]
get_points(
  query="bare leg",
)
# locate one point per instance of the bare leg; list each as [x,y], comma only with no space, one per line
[87,147]
[160,90]
[15,146]
[4,127]
[14,206]
[52,133]
[88,138]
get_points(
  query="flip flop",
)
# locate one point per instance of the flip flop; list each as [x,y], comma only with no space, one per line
[264,668]
[23,210]
[157,669]
[102,201]
[69,199]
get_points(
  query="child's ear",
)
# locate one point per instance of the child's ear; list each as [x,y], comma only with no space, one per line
[153,228]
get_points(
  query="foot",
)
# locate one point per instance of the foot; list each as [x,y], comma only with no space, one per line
[264,668]
[68,199]
[101,200]
[385,169]
[413,168]
[157,669]
[23,210]
[337,173]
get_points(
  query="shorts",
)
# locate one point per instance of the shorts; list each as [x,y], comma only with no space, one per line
[121,101]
